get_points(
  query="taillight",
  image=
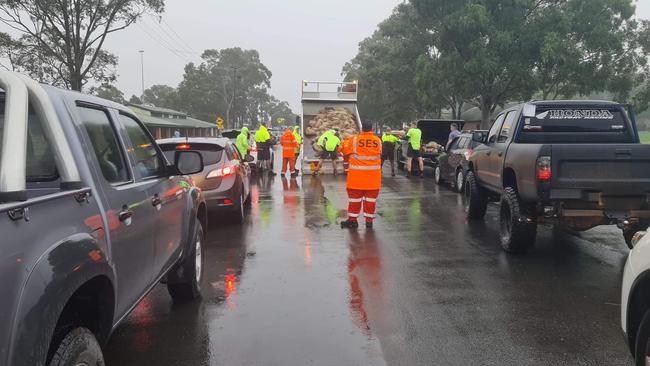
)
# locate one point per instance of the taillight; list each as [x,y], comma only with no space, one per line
[183,147]
[221,172]
[544,169]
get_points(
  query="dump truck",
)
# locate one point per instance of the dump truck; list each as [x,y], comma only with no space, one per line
[317,97]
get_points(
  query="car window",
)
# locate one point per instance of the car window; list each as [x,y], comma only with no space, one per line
[211,153]
[234,153]
[506,129]
[496,127]
[147,158]
[105,144]
[464,142]
[41,166]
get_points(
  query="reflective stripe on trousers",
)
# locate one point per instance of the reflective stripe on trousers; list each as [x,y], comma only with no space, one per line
[357,197]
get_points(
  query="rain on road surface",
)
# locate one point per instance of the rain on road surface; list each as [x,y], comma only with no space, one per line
[290,287]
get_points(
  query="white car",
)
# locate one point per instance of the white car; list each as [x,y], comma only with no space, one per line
[635,299]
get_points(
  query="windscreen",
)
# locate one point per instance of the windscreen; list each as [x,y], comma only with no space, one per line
[595,124]
[211,153]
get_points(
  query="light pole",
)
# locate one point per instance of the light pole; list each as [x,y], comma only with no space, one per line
[142,69]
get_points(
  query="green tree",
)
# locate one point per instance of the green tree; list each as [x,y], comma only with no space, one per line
[162,96]
[385,68]
[64,39]
[109,92]
[232,83]
[135,100]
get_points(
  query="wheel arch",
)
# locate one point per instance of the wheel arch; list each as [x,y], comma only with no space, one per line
[637,306]
[509,178]
[73,272]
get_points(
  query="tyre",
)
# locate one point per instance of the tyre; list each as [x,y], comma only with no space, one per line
[78,347]
[518,227]
[475,198]
[248,202]
[437,175]
[642,342]
[184,283]
[460,181]
[238,213]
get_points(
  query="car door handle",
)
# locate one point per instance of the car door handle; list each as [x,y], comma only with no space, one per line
[156,200]
[488,153]
[500,153]
[125,214]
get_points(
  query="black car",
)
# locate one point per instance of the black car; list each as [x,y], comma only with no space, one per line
[225,180]
[433,130]
[453,164]
[575,163]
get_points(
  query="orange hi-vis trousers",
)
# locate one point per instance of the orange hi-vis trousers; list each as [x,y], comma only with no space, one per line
[288,163]
[357,197]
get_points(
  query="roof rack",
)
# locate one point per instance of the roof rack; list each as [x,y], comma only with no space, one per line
[20,90]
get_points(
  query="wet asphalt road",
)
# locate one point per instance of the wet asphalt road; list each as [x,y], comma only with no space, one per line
[289,287]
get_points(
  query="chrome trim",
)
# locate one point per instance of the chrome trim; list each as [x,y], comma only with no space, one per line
[44,109]
[14,139]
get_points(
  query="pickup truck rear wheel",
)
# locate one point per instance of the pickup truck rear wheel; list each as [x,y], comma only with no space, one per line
[186,285]
[475,198]
[78,347]
[518,226]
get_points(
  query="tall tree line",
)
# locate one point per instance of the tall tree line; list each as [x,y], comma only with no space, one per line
[434,55]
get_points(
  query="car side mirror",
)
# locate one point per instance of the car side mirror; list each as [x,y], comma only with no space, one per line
[478,137]
[249,158]
[188,162]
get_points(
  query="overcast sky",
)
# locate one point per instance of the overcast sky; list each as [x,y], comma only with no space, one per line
[297,39]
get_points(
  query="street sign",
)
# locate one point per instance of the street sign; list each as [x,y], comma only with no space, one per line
[220,123]
[280,121]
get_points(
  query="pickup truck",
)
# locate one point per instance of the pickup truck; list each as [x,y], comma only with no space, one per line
[92,218]
[578,164]
[433,130]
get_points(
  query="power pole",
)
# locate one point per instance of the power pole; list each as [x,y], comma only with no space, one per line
[234,90]
[142,71]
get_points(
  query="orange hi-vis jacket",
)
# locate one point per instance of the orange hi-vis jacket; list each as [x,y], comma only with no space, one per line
[364,152]
[289,144]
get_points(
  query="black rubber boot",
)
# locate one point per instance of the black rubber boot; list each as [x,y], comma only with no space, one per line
[368,225]
[347,224]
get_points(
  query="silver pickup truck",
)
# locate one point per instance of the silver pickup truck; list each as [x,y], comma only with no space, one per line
[92,217]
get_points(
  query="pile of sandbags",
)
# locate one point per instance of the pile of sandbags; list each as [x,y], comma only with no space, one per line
[333,118]
[433,148]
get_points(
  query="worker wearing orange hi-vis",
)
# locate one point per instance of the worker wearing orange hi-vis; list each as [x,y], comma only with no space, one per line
[289,145]
[364,176]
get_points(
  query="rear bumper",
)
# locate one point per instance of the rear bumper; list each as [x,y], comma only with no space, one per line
[215,198]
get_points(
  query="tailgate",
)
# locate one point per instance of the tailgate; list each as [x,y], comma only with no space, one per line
[611,169]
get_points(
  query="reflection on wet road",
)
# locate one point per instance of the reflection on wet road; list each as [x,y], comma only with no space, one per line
[424,288]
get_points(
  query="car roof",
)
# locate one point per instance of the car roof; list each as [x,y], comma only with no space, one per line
[577,102]
[221,141]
